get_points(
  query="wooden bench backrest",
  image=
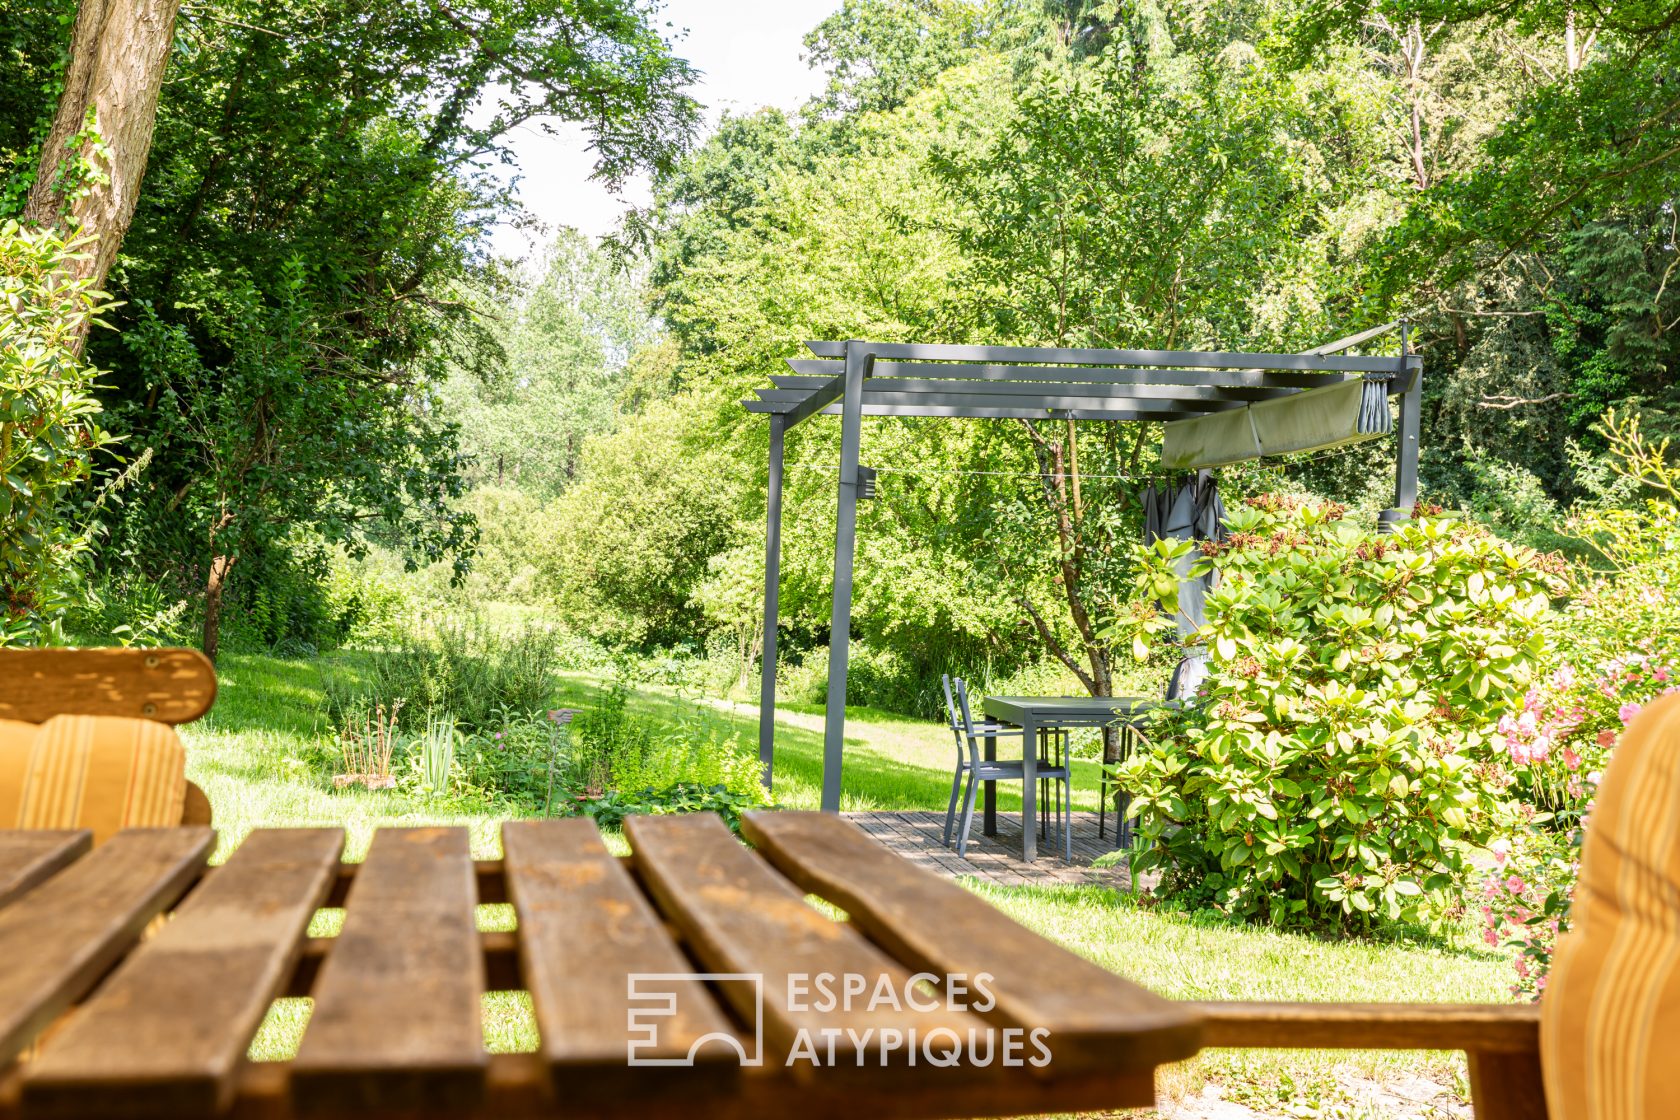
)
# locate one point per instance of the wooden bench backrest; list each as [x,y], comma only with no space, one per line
[172,686]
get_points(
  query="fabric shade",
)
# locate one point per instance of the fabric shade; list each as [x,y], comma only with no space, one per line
[1331,416]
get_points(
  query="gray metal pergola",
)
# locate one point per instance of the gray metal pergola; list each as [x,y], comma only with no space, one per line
[855,379]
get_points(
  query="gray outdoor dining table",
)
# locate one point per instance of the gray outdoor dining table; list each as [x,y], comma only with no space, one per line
[1035,713]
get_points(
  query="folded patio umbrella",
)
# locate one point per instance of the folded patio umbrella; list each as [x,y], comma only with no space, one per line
[1192,511]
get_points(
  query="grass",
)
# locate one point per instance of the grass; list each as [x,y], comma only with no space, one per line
[255,755]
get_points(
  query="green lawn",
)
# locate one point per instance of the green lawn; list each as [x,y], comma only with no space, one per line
[249,756]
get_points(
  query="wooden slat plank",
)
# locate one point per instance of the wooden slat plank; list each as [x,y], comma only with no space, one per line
[1493,1027]
[60,938]
[167,685]
[585,932]
[29,856]
[165,1034]
[518,1089]
[1096,1019]
[396,1024]
[487,871]
[1509,1086]
[738,916]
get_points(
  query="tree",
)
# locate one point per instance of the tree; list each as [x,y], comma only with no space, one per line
[301,271]
[94,155]
[1145,200]
[569,337]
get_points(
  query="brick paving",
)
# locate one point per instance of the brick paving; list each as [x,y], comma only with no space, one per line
[917,836]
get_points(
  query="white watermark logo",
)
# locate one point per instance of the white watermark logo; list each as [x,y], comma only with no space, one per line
[653,999]
[948,1038]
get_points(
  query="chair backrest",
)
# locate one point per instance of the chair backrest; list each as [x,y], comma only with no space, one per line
[969,735]
[85,739]
[1610,1019]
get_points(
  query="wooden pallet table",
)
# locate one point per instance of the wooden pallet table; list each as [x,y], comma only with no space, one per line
[685,979]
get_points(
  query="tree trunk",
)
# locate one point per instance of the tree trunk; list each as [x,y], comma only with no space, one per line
[219,568]
[118,50]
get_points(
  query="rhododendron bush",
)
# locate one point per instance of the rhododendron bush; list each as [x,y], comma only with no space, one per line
[1342,762]
[1619,640]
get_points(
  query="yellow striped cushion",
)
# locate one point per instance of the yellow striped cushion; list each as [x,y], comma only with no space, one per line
[1610,1019]
[98,772]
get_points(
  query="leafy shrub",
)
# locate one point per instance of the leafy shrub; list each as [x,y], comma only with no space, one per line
[465,667]
[1616,640]
[1339,763]
[48,427]
[609,809]
[616,752]
[522,759]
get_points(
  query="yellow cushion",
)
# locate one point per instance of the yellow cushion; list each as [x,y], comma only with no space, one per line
[1610,1019]
[97,772]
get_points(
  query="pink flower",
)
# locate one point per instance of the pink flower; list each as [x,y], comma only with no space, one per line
[1501,850]
[1607,738]
[1491,937]
[1660,674]
[1627,712]
[1564,678]
[1514,884]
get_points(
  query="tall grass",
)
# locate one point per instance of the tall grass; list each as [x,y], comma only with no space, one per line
[463,666]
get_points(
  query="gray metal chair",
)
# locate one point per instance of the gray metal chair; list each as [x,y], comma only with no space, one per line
[975,768]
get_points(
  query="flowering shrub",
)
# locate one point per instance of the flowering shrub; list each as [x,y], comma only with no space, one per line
[1338,765]
[1621,625]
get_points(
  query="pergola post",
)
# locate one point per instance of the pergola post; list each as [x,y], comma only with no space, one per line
[772,604]
[1406,449]
[845,549]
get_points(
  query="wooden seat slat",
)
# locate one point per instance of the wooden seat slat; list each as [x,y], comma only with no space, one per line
[585,930]
[60,938]
[28,858]
[737,915]
[1095,1018]
[397,1019]
[164,1036]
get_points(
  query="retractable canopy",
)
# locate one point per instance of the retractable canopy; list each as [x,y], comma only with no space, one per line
[1217,408]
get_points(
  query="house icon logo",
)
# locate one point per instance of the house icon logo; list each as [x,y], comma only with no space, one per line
[654,1002]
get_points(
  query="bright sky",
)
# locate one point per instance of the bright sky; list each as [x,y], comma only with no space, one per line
[749,53]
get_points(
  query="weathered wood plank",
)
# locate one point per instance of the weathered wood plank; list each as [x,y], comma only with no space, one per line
[1509,1086]
[587,934]
[28,857]
[164,1036]
[738,916]
[167,685]
[1095,1019]
[518,1088]
[1495,1028]
[60,938]
[396,1024]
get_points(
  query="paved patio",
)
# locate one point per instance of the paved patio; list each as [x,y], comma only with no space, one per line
[916,836]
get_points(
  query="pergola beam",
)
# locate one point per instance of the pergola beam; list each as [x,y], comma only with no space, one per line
[890,395]
[1073,387]
[1015,412]
[814,403]
[1052,355]
[1228,379]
